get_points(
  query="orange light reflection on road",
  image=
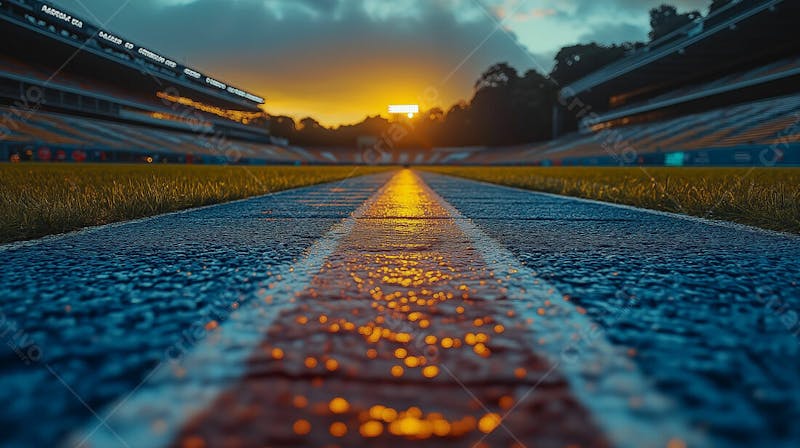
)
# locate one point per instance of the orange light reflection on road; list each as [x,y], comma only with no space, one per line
[408,274]
[375,351]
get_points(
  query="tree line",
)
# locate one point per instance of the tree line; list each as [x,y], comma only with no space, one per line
[507,107]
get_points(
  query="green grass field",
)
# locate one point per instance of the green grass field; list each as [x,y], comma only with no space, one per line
[762,197]
[43,199]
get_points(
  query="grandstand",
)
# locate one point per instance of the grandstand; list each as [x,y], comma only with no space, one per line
[724,90]
[72,91]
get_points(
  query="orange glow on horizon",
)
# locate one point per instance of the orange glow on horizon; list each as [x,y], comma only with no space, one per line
[346,94]
[335,114]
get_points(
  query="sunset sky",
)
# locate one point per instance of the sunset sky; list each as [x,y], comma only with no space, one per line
[340,60]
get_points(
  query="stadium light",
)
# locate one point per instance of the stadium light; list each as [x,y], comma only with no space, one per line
[408,109]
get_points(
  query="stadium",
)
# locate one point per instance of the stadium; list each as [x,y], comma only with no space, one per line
[114,101]
[600,253]
[705,94]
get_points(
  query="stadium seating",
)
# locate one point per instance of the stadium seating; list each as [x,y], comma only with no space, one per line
[759,123]
[781,68]
[63,80]
[109,140]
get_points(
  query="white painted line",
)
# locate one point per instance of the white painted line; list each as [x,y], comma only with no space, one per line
[605,380]
[158,409]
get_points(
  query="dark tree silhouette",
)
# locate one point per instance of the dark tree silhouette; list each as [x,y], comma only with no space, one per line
[497,76]
[505,108]
[490,109]
[283,127]
[457,127]
[665,19]
[309,124]
[310,132]
[532,104]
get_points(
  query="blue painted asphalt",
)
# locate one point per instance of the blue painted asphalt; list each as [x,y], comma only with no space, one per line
[708,313]
[102,308]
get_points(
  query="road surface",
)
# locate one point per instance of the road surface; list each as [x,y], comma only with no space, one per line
[403,309]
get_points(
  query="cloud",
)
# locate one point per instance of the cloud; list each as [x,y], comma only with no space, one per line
[570,22]
[582,8]
[342,58]
[515,13]
[615,33]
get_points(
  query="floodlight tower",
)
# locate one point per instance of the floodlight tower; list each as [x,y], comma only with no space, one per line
[406,109]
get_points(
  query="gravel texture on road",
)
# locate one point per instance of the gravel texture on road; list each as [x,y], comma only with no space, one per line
[401,309]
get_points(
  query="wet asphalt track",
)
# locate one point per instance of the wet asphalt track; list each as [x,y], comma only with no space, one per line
[704,314]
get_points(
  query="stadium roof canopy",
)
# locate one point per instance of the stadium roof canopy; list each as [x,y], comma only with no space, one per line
[47,33]
[732,37]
